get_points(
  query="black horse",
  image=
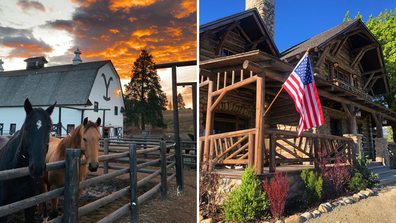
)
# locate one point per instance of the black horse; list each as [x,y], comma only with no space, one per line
[27,148]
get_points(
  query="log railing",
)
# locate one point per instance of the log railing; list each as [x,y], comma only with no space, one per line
[287,147]
[280,147]
[230,148]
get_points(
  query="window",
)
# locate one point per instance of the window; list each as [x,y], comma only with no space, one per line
[70,128]
[327,71]
[96,106]
[115,110]
[1,128]
[227,53]
[12,128]
[341,75]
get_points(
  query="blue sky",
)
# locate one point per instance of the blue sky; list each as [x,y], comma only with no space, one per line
[297,21]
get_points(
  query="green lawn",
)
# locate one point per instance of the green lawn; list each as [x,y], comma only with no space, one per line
[186,123]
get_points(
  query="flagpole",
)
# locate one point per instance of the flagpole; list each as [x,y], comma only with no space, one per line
[281,89]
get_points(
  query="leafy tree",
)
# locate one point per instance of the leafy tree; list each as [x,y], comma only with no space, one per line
[180,102]
[390,131]
[144,99]
[384,29]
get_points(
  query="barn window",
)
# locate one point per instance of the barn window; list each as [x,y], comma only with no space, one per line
[70,128]
[12,128]
[96,106]
[341,75]
[115,110]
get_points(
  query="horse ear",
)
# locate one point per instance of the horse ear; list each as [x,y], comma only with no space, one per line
[98,121]
[85,121]
[28,107]
[51,108]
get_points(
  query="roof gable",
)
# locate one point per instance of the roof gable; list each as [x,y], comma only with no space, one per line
[250,27]
[66,84]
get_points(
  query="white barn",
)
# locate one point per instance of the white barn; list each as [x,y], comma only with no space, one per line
[91,89]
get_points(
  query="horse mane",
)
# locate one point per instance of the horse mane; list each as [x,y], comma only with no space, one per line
[74,139]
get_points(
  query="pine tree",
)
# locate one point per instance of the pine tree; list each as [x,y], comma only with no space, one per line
[180,102]
[144,99]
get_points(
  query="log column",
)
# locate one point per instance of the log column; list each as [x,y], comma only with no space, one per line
[260,100]
[209,125]
[356,145]
[381,151]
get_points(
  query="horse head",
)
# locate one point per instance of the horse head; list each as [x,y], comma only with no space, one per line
[35,131]
[90,143]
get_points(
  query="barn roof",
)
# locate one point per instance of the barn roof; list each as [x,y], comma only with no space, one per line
[66,84]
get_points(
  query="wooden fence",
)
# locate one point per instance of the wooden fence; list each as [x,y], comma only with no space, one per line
[71,209]
[279,147]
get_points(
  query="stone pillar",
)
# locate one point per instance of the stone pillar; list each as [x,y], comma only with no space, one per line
[381,151]
[266,8]
[356,146]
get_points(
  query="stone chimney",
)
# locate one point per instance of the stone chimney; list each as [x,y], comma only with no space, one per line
[1,65]
[77,60]
[266,8]
[35,63]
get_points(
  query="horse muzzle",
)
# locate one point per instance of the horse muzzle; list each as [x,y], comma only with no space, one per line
[37,171]
[93,169]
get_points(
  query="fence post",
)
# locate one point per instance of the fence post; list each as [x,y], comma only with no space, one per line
[164,181]
[71,185]
[272,160]
[133,183]
[106,152]
[316,152]
[179,165]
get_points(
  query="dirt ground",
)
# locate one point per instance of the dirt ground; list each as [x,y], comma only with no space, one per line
[378,208]
[179,207]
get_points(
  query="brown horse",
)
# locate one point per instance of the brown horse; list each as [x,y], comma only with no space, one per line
[86,136]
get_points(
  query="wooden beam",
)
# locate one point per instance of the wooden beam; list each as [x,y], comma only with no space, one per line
[323,56]
[358,57]
[375,71]
[270,46]
[235,86]
[254,44]
[202,84]
[248,65]
[340,46]
[266,63]
[243,33]
[346,110]
[368,80]
[208,126]
[386,84]
[379,57]
[218,100]
[259,140]
[366,47]
[206,73]
[224,36]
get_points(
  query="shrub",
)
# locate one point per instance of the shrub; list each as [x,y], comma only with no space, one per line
[246,202]
[357,183]
[277,192]
[335,176]
[362,175]
[313,185]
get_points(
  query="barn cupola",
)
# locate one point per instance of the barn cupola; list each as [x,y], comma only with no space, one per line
[1,65]
[266,8]
[77,60]
[35,63]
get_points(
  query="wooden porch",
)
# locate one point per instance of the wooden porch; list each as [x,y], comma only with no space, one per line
[279,148]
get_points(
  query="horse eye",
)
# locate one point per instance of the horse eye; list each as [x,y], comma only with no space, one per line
[85,139]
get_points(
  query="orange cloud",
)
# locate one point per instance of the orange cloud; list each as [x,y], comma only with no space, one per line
[145,32]
[132,19]
[126,4]
[115,31]
[186,8]
[174,31]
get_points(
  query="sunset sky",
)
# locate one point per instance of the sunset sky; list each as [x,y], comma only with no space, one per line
[115,30]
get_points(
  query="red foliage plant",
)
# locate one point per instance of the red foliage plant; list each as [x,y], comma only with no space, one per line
[277,192]
[335,176]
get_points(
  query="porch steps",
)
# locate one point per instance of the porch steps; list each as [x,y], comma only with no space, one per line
[386,175]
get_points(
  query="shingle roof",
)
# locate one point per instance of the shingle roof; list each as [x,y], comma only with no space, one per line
[319,40]
[66,84]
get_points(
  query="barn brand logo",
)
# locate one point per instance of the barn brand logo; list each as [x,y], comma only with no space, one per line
[38,124]
[107,84]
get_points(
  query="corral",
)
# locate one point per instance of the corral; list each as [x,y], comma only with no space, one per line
[111,183]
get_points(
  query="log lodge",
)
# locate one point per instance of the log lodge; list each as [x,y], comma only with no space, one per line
[241,71]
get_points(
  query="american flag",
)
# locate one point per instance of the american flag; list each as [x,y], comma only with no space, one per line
[302,88]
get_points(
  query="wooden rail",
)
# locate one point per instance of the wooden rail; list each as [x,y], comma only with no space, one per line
[279,147]
[71,210]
